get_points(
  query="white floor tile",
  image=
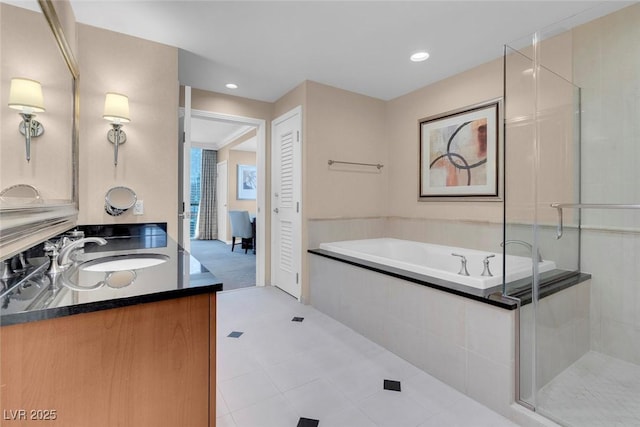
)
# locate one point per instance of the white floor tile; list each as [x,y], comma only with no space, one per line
[393,409]
[293,372]
[225,421]
[274,412]
[398,368]
[351,417]
[317,400]
[234,362]
[430,390]
[359,380]
[247,389]
[279,371]
[221,405]
[597,390]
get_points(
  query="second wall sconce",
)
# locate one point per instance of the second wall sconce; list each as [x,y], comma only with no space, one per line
[25,95]
[116,110]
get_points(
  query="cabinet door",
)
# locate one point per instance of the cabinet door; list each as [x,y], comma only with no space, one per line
[142,365]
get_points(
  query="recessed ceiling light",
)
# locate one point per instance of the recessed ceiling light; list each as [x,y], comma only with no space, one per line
[420,56]
[231,86]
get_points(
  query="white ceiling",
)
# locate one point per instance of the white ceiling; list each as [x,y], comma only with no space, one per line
[269,47]
[215,134]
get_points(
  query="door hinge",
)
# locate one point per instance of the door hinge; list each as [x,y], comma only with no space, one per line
[298,135]
[297,207]
[296,278]
[182,207]
[184,137]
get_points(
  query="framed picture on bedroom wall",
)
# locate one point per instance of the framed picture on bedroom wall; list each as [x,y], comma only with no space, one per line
[460,154]
[247,182]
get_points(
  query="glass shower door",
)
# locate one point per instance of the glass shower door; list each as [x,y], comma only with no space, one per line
[541,167]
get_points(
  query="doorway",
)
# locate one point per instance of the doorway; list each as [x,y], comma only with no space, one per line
[236,127]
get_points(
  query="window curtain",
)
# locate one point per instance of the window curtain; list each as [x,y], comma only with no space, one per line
[207,225]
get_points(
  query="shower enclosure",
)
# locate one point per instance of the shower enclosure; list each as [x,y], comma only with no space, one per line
[572,194]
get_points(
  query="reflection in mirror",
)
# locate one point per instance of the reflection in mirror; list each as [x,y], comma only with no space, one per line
[20,194]
[118,200]
[52,169]
[120,279]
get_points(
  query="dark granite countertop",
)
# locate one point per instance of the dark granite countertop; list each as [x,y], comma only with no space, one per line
[37,295]
[519,292]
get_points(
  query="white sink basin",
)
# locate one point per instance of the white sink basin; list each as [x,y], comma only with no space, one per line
[124,262]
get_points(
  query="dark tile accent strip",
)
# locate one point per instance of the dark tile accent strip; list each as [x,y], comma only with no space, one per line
[235,334]
[392,385]
[297,319]
[308,422]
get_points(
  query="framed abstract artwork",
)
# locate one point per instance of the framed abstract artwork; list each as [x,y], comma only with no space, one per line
[459,154]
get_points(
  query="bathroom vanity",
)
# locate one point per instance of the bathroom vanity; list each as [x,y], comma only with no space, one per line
[128,347]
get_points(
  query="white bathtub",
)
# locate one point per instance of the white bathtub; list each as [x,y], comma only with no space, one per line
[436,260]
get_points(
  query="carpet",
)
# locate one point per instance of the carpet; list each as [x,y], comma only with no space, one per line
[235,269]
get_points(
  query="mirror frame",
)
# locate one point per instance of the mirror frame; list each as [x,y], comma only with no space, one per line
[48,218]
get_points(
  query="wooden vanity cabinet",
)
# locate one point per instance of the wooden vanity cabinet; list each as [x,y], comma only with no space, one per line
[144,365]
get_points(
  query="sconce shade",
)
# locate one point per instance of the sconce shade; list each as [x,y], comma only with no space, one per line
[116,108]
[26,95]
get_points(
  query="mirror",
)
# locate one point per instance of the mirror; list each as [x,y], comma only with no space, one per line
[34,46]
[20,194]
[118,200]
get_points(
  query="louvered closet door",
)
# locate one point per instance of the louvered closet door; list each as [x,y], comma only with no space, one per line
[286,204]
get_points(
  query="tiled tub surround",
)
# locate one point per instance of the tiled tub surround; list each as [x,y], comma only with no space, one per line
[467,340]
[464,343]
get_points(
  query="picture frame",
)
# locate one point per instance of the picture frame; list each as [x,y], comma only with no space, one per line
[460,154]
[247,182]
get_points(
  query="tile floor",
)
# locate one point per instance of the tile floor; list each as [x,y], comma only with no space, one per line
[596,391]
[317,372]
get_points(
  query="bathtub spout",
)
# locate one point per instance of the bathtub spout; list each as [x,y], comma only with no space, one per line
[523,243]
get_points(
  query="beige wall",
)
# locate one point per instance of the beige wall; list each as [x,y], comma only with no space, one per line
[344,126]
[477,85]
[148,161]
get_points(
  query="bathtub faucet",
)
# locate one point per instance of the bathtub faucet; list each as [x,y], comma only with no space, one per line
[463,264]
[523,243]
[486,271]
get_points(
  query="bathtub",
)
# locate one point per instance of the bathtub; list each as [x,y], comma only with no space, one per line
[436,260]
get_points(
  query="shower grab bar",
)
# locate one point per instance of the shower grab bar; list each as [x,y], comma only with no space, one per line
[377,165]
[560,206]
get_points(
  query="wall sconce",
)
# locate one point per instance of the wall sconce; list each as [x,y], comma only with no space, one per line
[25,95]
[116,110]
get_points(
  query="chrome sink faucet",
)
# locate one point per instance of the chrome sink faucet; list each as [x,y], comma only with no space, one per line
[523,243]
[61,252]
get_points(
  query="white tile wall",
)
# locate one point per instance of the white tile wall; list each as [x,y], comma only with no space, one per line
[612,259]
[562,335]
[467,344]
